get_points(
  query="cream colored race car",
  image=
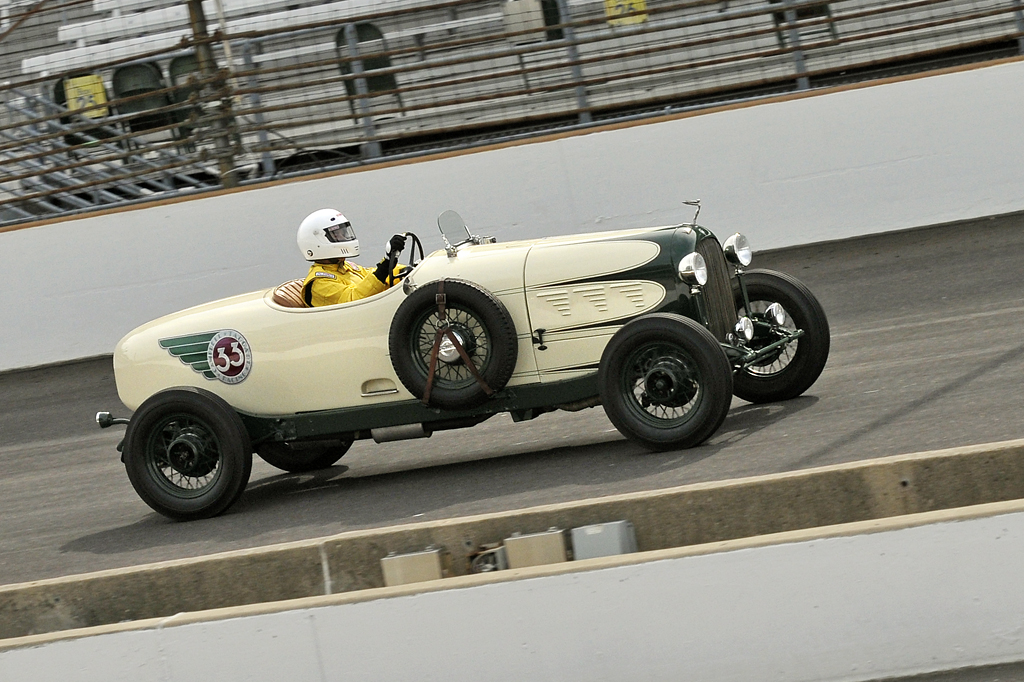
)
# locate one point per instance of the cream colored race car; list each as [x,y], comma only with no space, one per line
[659,325]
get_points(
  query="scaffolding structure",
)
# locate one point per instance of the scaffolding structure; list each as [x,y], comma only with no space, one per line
[144,98]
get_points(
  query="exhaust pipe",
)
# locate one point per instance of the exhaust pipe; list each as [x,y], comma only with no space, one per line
[387,434]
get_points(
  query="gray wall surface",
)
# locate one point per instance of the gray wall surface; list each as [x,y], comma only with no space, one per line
[829,166]
[891,603]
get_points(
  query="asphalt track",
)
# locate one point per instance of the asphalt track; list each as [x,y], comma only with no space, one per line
[927,353]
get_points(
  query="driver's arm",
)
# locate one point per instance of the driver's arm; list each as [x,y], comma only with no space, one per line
[400,271]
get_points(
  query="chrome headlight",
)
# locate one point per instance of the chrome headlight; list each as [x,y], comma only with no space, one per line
[737,250]
[745,329]
[776,313]
[692,269]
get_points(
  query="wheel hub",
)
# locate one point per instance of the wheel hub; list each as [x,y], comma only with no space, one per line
[668,383]
[447,352]
[187,455]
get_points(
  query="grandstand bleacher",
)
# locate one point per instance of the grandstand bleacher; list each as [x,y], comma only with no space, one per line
[289,92]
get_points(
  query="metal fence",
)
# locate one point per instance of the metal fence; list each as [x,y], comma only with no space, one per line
[105,102]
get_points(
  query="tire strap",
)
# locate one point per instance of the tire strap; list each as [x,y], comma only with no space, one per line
[445,330]
[469,363]
[431,369]
[441,300]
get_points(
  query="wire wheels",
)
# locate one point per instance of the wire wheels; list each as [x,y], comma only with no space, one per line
[665,382]
[793,368]
[187,454]
[183,455]
[474,337]
[452,372]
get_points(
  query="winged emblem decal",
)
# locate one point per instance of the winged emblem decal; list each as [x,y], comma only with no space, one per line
[223,355]
[191,350]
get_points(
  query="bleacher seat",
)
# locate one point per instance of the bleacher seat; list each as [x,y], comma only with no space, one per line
[86,89]
[145,79]
[371,60]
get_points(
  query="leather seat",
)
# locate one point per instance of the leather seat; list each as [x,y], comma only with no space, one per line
[289,295]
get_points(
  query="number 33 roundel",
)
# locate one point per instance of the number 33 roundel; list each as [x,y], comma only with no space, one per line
[229,356]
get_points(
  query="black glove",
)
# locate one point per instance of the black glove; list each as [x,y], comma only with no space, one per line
[395,245]
[381,272]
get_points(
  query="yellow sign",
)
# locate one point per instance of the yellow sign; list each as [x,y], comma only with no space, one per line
[624,12]
[86,91]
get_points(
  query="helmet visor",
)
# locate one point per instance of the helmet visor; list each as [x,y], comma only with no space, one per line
[342,232]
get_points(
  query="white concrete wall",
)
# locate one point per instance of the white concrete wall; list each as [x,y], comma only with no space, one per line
[893,603]
[861,161]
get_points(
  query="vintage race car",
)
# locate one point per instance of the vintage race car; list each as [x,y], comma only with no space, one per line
[661,326]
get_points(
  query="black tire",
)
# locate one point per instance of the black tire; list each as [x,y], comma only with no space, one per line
[302,456]
[665,382]
[187,454]
[489,339]
[795,367]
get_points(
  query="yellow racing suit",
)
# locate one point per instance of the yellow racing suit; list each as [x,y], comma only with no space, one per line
[331,283]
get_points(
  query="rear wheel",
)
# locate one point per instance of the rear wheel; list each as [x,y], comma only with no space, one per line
[301,456]
[187,454]
[791,369]
[665,382]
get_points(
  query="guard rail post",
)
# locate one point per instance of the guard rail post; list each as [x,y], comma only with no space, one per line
[1018,17]
[371,148]
[208,67]
[565,19]
[266,159]
[793,33]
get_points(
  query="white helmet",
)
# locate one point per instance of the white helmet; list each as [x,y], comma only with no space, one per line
[327,234]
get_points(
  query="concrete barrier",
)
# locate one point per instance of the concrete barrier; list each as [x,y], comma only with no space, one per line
[871,600]
[671,518]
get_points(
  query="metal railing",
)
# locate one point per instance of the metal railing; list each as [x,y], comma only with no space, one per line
[281,92]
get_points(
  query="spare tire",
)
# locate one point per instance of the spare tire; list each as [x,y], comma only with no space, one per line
[484,328]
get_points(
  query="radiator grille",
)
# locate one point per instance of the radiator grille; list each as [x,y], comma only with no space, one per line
[718,290]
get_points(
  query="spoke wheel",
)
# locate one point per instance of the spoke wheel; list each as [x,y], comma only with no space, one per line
[482,326]
[451,372]
[183,455]
[665,382]
[187,454]
[793,368]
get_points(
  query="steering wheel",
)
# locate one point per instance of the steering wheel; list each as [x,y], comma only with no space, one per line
[413,261]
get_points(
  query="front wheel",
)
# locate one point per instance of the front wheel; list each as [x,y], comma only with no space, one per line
[187,454]
[665,382]
[792,369]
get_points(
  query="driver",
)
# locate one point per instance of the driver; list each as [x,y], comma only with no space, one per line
[326,237]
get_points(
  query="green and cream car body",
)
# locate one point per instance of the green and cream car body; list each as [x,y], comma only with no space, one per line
[661,325]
